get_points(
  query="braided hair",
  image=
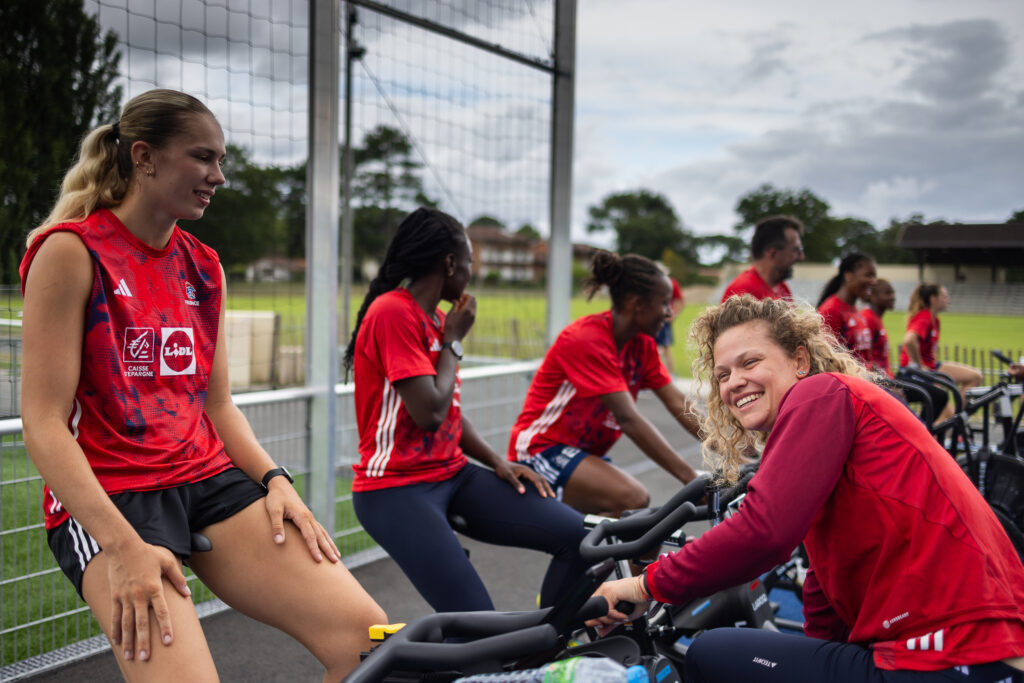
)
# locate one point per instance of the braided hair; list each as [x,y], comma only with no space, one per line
[422,240]
[624,275]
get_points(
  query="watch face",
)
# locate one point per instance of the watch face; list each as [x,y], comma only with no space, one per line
[457,348]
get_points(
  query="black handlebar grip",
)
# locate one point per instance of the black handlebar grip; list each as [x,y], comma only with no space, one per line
[998,355]
[592,551]
[625,606]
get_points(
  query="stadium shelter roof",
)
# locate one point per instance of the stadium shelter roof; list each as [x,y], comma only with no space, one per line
[974,244]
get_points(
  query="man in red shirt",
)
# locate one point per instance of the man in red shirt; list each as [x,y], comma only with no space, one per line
[776,246]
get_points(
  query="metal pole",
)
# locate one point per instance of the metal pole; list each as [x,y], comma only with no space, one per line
[322,180]
[559,267]
[352,53]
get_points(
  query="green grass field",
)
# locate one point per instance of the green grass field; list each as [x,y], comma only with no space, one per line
[511,323]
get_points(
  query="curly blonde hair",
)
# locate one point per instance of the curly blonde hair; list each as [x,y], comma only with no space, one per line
[790,327]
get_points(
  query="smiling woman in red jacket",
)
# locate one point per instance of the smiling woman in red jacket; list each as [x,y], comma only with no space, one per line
[909,568]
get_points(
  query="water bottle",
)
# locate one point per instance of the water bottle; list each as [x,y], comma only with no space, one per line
[572,670]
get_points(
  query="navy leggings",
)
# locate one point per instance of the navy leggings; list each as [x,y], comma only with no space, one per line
[410,523]
[727,655]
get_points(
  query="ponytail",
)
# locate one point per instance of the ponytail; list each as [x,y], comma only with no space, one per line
[848,264]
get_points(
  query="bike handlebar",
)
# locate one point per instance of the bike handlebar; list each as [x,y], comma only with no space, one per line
[496,636]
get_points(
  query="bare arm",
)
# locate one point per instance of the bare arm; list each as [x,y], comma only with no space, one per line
[56,295]
[912,345]
[427,398]
[240,443]
[681,409]
[648,439]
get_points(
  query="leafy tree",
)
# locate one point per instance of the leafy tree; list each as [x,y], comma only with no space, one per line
[529,232]
[729,248]
[643,222]
[386,185]
[822,237]
[57,70]
[1016,217]
[243,222]
[487,221]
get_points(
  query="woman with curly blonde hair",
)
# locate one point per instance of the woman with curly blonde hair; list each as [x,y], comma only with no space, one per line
[853,474]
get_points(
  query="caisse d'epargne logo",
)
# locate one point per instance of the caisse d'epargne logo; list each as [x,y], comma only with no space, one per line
[177,351]
[139,345]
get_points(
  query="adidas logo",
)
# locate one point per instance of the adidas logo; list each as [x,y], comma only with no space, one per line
[122,289]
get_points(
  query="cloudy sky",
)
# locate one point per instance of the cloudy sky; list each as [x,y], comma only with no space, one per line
[881,107]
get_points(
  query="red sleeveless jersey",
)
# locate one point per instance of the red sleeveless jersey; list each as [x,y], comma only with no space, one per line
[150,332]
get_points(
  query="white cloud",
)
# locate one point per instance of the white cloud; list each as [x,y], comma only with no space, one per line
[881,108]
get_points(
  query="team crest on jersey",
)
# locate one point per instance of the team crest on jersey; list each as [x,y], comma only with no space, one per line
[177,351]
[190,293]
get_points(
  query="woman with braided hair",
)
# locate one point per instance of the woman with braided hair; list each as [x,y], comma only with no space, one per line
[583,397]
[414,438]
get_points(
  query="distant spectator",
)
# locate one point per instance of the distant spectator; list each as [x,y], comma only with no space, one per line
[776,246]
[838,304]
[665,337]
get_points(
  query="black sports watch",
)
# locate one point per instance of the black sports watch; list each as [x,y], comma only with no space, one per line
[455,346]
[277,471]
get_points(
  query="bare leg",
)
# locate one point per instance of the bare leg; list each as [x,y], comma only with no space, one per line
[187,658]
[320,604]
[599,487]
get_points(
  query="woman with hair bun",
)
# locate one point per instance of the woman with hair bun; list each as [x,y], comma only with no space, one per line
[414,438]
[838,304]
[583,397]
[128,416]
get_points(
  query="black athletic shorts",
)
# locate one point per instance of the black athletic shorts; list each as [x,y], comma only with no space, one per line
[165,517]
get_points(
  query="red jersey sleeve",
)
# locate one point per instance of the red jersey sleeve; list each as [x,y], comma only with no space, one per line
[801,463]
[921,324]
[677,293]
[592,365]
[833,317]
[398,336]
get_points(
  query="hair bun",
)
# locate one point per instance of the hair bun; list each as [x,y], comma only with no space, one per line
[608,268]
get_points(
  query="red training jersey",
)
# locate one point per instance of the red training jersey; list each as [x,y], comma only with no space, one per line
[879,342]
[751,282]
[147,350]
[398,340]
[906,556]
[563,405]
[848,326]
[926,326]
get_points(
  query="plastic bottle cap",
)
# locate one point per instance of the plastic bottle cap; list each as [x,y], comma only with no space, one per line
[637,674]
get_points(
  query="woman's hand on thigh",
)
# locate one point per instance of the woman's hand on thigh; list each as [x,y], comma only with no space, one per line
[283,503]
[135,574]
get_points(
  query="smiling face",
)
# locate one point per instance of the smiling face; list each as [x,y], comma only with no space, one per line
[883,296]
[754,373]
[861,280]
[651,313]
[186,172]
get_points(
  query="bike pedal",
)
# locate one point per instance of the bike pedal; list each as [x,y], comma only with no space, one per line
[381,632]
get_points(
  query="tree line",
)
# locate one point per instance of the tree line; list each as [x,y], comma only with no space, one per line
[58,70]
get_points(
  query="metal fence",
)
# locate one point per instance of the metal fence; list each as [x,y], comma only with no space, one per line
[43,623]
